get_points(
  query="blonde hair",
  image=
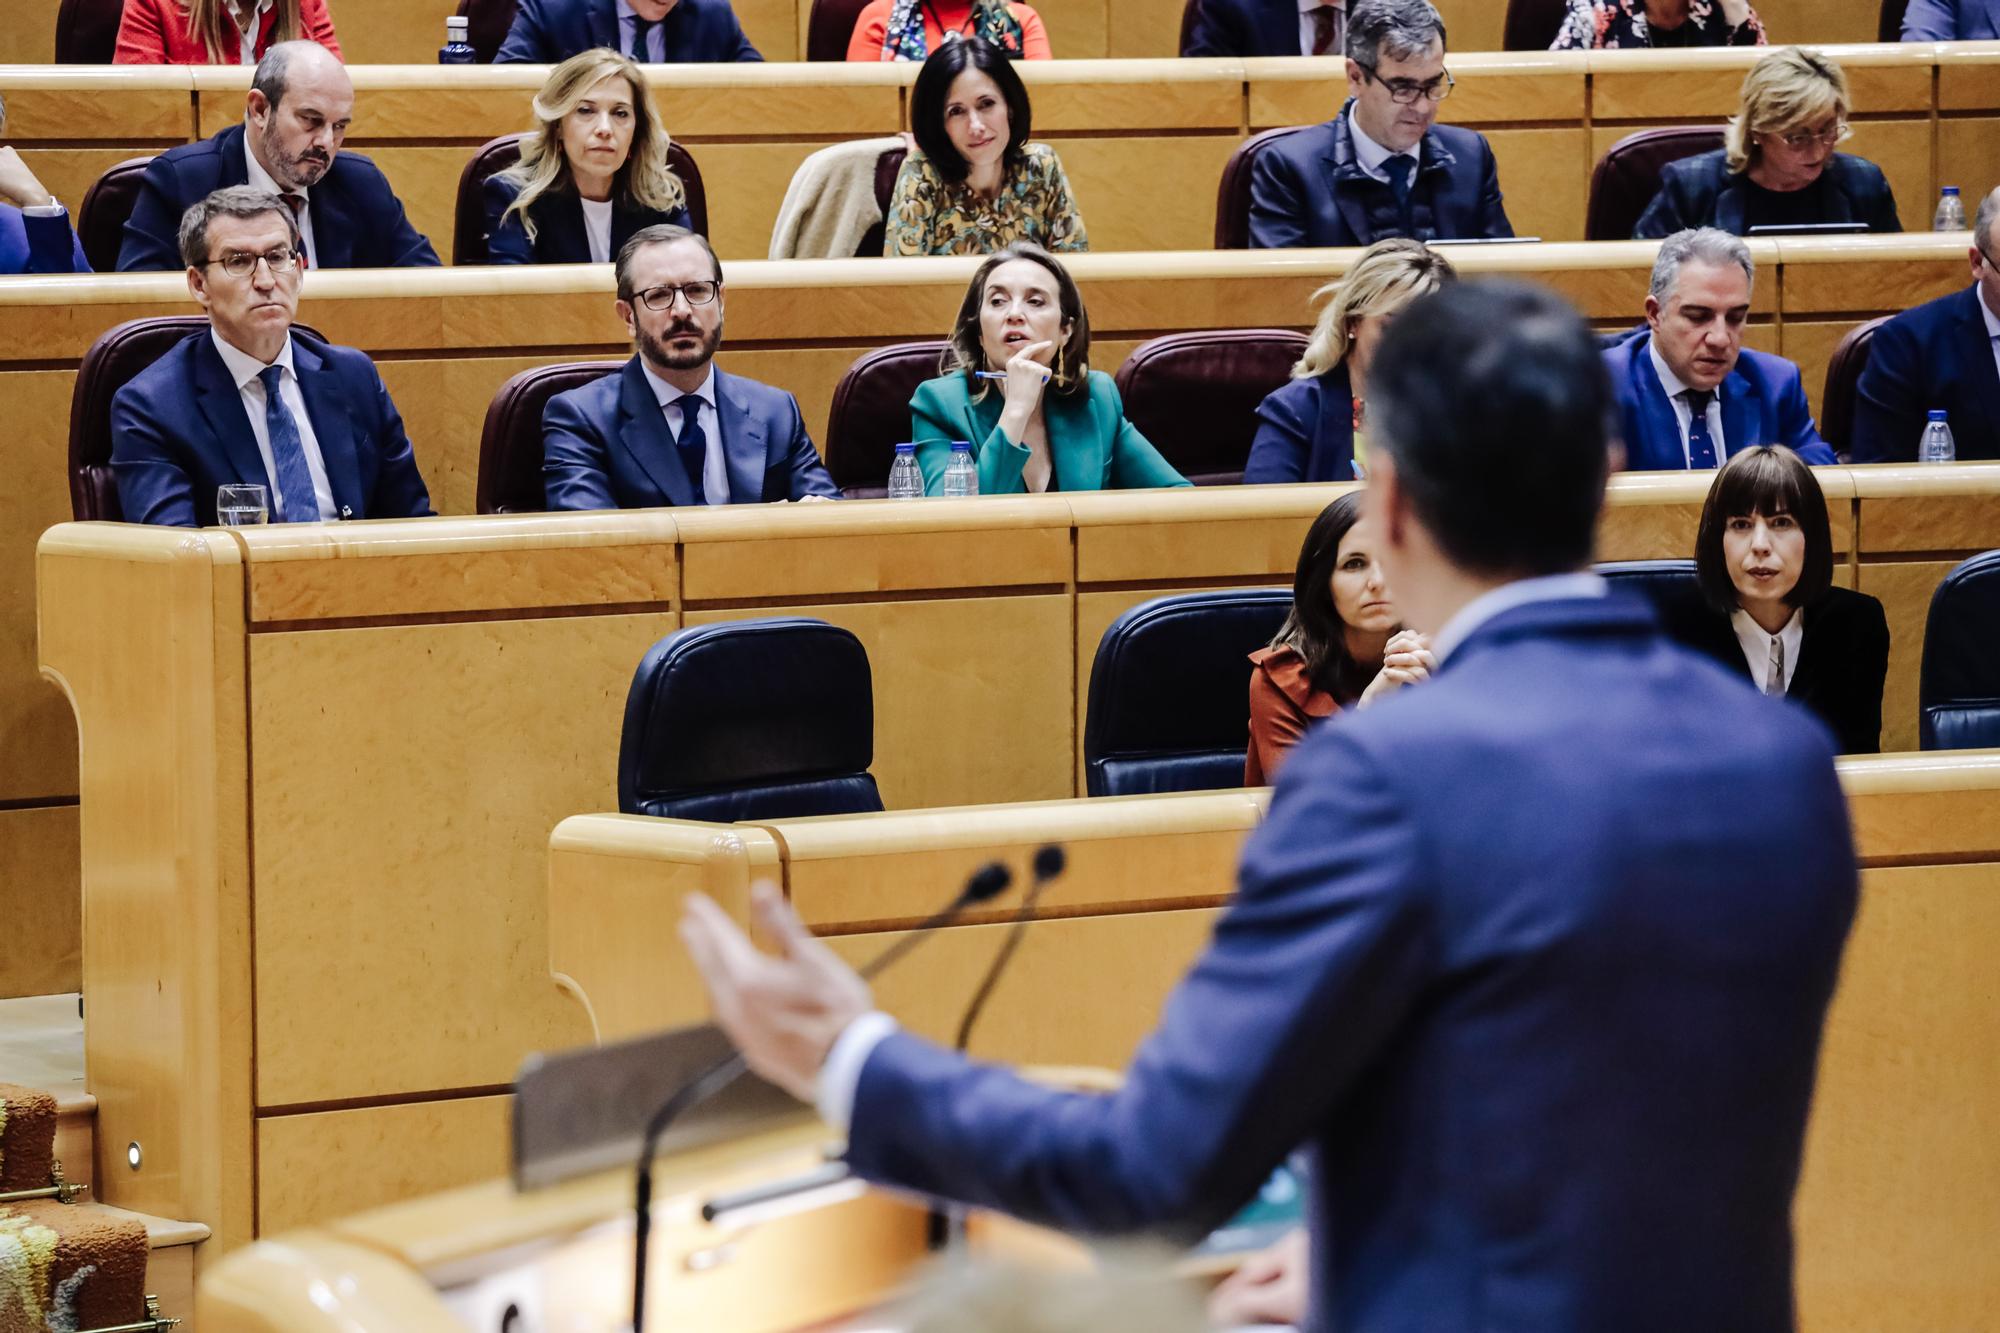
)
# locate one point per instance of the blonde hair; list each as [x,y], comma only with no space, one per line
[210,21]
[1388,276]
[1784,92]
[644,180]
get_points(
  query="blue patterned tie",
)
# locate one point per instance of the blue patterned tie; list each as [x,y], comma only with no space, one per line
[1701,447]
[642,32]
[692,446]
[288,452]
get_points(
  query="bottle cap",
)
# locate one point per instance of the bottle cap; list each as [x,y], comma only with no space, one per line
[906,448]
[957,445]
[455,25]
[1937,414]
[1951,189]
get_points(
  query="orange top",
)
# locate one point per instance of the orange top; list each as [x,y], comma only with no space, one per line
[869,27]
[1283,704]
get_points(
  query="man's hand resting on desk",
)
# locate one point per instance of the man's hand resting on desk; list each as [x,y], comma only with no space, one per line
[784,1011]
[1270,1287]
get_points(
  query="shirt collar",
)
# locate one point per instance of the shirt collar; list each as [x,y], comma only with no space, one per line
[261,179]
[1547,588]
[242,366]
[1369,155]
[1757,643]
[242,9]
[1308,6]
[1986,311]
[1672,383]
[664,393]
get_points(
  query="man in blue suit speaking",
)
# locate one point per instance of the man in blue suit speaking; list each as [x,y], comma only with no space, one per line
[670,428]
[1512,954]
[1689,393]
[548,32]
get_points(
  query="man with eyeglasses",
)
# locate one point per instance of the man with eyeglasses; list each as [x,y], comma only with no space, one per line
[1383,167]
[248,402]
[670,428]
[1944,354]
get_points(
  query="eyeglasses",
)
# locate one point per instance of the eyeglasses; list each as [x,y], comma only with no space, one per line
[662,298]
[1988,258]
[240,265]
[1800,140]
[1403,92]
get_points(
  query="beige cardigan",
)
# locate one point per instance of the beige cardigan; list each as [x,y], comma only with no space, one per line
[830,204]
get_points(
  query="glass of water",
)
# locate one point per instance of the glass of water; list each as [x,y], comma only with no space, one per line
[239,506]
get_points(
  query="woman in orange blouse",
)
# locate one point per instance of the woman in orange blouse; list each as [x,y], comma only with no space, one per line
[912,29]
[1339,648]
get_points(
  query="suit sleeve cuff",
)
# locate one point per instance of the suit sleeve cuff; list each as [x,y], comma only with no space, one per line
[840,1076]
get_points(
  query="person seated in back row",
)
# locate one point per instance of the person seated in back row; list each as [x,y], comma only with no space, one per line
[247,402]
[912,29]
[1266,28]
[1382,167]
[1017,383]
[595,173]
[35,231]
[652,32]
[671,428]
[217,32]
[1689,393]
[1628,25]
[1951,21]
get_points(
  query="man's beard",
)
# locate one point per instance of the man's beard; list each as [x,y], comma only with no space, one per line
[300,173]
[659,353]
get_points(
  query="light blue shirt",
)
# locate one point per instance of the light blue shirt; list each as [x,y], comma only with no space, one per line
[656,41]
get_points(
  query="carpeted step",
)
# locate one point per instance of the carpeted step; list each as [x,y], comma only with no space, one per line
[62,1266]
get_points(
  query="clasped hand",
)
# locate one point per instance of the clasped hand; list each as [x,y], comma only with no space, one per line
[1406,660]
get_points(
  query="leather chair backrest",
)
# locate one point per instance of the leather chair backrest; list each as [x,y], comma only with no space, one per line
[887,167]
[1958,685]
[1889,28]
[107,206]
[1628,176]
[829,27]
[1169,705]
[754,719]
[1232,196]
[468,231]
[113,360]
[487,31]
[871,414]
[510,444]
[1195,395]
[87,31]
[1188,13]
[1673,589]
[1843,380]
[1532,24]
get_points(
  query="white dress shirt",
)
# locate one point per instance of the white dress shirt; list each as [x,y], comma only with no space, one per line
[628,23]
[1682,412]
[1992,325]
[715,464]
[1756,645]
[244,369]
[1308,30]
[249,21]
[597,226]
[261,179]
[1369,155]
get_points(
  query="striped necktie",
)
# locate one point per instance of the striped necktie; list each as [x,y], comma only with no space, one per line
[288,453]
[297,203]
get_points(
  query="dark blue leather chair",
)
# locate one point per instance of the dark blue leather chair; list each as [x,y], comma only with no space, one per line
[1958,688]
[1169,706]
[1673,589]
[757,719]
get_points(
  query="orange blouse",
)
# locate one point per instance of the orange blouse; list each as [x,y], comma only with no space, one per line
[869,26]
[1283,704]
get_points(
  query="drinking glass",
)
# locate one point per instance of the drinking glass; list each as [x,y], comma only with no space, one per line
[239,506]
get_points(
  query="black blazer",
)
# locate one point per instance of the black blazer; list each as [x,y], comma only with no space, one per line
[560,237]
[1243,28]
[1702,191]
[1843,660]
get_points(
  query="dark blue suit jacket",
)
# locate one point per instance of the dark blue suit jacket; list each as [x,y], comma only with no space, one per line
[38,245]
[178,431]
[606,446]
[1244,28]
[560,235]
[357,219]
[1951,20]
[1552,1044]
[546,32]
[1938,355]
[1701,191]
[1763,402]
[1305,431]
[1308,189]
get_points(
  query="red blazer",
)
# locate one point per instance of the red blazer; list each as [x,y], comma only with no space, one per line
[1283,704]
[156,32]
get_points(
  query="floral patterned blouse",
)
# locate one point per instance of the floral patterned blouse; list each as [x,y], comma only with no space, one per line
[930,216]
[1609,25]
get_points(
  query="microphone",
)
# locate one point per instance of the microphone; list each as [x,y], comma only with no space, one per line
[1050,862]
[986,883]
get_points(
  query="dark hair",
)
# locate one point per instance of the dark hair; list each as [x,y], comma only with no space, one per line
[1492,401]
[1768,479]
[1069,368]
[231,201]
[1404,29]
[934,82]
[1313,627]
[660,233]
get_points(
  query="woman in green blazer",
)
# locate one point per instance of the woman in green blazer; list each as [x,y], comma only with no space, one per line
[1022,391]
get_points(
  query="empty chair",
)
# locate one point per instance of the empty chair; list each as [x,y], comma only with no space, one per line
[1958,687]
[1532,24]
[829,28]
[1843,381]
[468,231]
[486,26]
[107,205]
[1169,706]
[1195,395]
[871,414]
[757,719]
[87,32]
[1232,196]
[1628,176]
[510,444]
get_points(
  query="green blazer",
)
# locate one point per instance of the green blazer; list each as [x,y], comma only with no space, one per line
[1092,444]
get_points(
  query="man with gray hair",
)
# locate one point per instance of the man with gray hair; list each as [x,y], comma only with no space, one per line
[35,235]
[1690,393]
[295,119]
[247,402]
[1383,167]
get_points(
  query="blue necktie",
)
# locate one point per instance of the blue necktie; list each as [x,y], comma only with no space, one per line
[1402,169]
[1701,447]
[642,32]
[288,452]
[693,446]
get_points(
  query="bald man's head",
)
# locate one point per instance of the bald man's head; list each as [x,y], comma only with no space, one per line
[297,114]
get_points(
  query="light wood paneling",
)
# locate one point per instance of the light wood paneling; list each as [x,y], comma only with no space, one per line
[1539,170]
[390,32]
[1907,510]
[1138,29]
[1120,208]
[40,900]
[1966,157]
[1904,588]
[37,729]
[306,1168]
[1902,148]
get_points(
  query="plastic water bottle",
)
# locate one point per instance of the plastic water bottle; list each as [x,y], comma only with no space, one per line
[906,479]
[961,478]
[1950,215]
[456,50]
[1937,445]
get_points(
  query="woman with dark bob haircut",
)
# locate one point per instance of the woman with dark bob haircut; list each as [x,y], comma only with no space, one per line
[1764,556]
[1340,646]
[1017,383]
[974,183]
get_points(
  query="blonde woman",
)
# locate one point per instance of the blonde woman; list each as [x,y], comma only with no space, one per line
[1311,430]
[217,32]
[593,175]
[1778,168]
